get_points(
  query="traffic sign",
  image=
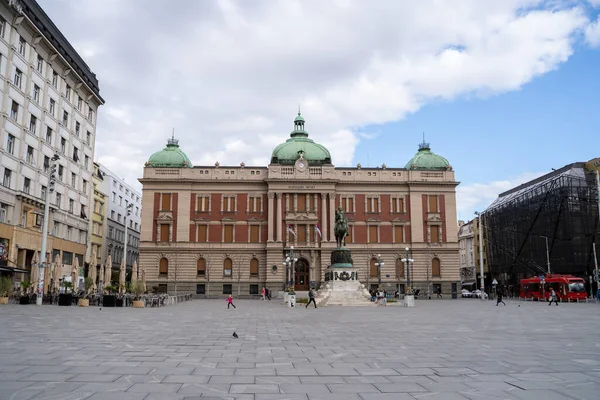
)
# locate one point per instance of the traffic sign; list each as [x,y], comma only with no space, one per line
[494,282]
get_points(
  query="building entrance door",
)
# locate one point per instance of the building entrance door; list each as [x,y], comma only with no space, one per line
[302,275]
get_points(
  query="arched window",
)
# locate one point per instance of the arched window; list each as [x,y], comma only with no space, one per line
[201,267]
[227,267]
[436,269]
[163,268]
[373,268]
[254,267]
[399,268]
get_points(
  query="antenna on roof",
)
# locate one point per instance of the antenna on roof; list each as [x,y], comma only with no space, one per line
[298,108]
[173,135]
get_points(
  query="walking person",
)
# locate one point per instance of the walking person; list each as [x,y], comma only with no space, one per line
[499,299]
[439,293]
[263,293]
[268,293]
[553,297]
[230,302]
[311,297]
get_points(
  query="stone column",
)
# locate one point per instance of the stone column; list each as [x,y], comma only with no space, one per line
[270,208]
[279,217]
[323,217]
[331,216]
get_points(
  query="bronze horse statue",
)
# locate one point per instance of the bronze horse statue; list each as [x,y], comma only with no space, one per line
[341,228]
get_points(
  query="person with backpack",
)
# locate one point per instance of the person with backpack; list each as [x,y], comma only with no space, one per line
[311,297]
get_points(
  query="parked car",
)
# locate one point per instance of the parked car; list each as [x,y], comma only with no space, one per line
[478,293]
[466,293]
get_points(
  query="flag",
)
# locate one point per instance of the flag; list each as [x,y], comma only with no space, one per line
[291,230]
[318,230]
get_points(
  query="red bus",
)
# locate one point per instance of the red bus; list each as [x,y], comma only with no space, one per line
[567,288]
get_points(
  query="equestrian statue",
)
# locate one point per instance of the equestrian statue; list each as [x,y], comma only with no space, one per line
[341,228]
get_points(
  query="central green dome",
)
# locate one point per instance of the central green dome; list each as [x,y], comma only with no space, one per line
[300,145]
[426,159]
[170,157]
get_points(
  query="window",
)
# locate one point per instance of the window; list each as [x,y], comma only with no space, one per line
[65,119]
[77,128]
[397,205]
[67,257]
[87,162]
[54,79]
[40,63]
[68,92]
[435,233]
[84,186]
[71,205]
[301,202]
[166,202]
[372,204]
[52,107]
[164,233]
[49,136]
[398,234]
[14,110]
[163,267]
[399,268]
[2,24]
[203,203]
[63,145]
[201,267]
[90,114]
[26,185]
[120,200]
[254,204]
[228,204]
[200,288]
[21,47]
[58,199]
[253,289]
[44,192]
[29,157]
[79,103]
[18,78]
[75,154]
[10,144]
[227,267]
[202,233]
[348,204]
[254,267]
[73,179]
[433,203]
[119,217]
[372,233]
[61,170]
[254,233]
[114,197]
[32,124]
[373,268]
[36,93]
[227,288]
[228,233]
[89,138]
[436,269]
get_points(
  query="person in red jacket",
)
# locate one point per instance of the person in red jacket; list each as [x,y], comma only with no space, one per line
[230,302]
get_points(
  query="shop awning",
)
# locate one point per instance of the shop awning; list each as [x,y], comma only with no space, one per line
[13,270]
[468,283]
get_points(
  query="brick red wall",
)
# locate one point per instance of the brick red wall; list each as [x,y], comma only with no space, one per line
[192,214]
[384,206]
[156,209]
[359,200]
[360,234]
[192,232]
[240,233]
[214,233]
[385,234]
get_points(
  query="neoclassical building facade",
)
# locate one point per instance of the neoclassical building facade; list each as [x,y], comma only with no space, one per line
[216,230]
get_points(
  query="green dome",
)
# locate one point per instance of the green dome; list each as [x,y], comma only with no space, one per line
[426,159]
[299,144]
[170,157]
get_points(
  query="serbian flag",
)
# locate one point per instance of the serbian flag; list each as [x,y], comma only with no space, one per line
[318,230]
[291,230]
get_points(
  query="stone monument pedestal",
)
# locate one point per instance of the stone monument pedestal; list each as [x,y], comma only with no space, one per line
[409,300]
[344,288]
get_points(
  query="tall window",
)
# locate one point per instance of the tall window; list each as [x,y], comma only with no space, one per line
[201,267]
[165,202]
[399,268]
[49,135]
[433,203]
[58,200]
[68,93]
[202,203]
[227,267]
[301,202]
[10,144]
[73,179]
[301,233]
[372,233]
[54,79]
[228,203]
[77,128]
[202,233]
[254,233]
[397,205]
[21,47]
[36,93]
[436,269]
[228,233]
[63,145]
[398,234]
[254,267]
[32,123]
[373,268]
[18,78]
[26,185]
[40,63]
[435,233]
[372,204]
[348,204]
[163,267]
[164,232]
[52,107]
[254,204]
[89,138]
[2,24]
[44,192]
[14,110]
[7,177]
[29,157]
[65,119]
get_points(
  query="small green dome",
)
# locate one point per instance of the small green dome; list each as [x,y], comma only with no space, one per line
[300,145]
[426,159]
[170,157]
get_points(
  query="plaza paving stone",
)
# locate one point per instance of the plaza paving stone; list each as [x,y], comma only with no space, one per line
[441,349]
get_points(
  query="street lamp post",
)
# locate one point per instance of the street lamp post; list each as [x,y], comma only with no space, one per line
[547,253]
[128,211]
[289,261]
[379,264]
[481,278]
[51,183]
[409,298]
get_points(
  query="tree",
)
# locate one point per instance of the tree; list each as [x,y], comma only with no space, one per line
[239,263]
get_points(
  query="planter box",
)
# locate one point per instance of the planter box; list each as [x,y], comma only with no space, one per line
[119,302]
[24,300]
[109,300]
[138,304]
[3,300]
[84,303]
[65,299]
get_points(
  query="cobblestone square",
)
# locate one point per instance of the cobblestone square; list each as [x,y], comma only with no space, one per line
[445,349]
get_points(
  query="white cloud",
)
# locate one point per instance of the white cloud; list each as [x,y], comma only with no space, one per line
[592,32]
[478,196]
[228,74]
